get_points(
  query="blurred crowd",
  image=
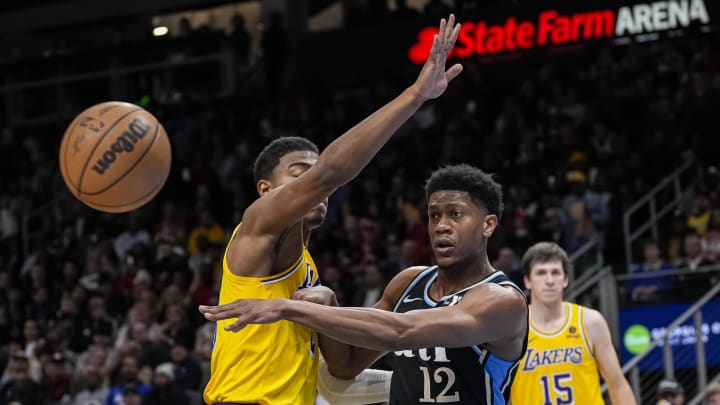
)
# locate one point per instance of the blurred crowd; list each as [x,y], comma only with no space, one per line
[101,308]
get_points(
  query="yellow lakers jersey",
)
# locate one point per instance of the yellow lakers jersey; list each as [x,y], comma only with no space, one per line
[275,363]
[559,367]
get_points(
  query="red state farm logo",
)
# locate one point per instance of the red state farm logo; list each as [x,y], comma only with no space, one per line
[553,28]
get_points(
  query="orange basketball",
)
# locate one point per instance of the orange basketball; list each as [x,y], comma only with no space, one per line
[115,156]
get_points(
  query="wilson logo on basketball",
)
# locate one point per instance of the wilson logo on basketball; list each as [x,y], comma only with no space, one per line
[125,142]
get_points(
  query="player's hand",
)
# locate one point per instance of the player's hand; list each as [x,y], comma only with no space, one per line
[433,78]
[319,295]
[246,311]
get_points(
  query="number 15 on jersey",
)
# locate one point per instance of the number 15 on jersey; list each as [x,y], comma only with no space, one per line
[557,386]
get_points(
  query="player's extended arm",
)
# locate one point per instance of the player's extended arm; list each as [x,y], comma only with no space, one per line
[347,361]
[345,157]
[601,342]
[488,313]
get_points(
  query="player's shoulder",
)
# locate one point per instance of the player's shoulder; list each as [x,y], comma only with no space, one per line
[592,317]
[404,277]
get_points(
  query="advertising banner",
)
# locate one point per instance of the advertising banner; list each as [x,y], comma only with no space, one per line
[639,327]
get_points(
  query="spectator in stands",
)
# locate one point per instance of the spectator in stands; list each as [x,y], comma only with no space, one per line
[94,392]
[132,394]
[699,217]
[508,262]
[208,228]
[694,256]
[670,392]
[187,370]
[128,373]
[711,239]
[164,390]
[371,287]
[133,235]
[712,394]
[653,287]
[692,284]
[16,384]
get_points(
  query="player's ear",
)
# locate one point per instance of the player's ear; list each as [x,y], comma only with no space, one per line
[491,221]
[264,187]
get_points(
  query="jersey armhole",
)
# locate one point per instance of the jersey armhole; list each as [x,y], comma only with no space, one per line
[583,331]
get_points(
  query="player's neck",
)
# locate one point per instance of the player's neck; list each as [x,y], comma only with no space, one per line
[547,312]
[454,278]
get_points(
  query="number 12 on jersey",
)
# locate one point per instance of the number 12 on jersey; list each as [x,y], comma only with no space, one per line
[559,385]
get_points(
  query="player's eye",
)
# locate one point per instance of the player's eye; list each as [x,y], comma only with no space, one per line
[434,215]
[457,214]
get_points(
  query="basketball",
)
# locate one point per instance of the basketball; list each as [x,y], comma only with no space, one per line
[115,157]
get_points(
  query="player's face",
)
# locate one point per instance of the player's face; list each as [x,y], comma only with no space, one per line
[458,227]
[289,168]
[546,281]
[714,399]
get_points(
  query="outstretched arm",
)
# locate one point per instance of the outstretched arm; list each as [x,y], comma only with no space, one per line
[602,347]
[343,159]
[347,361]
[486,314]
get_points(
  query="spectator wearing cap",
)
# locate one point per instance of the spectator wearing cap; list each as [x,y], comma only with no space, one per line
[128,373]
[131,394]
[670,392]
[95,391]
[188,374]
[712,394]
[164,390]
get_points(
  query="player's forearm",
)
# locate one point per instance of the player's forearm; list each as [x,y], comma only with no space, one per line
[365,327]
[620,393]
[345,157]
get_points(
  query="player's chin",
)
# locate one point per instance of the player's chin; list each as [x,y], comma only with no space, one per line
[445,261]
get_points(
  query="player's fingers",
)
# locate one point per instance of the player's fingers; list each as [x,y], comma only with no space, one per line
[447,34]
[441,31]
[235,326]
[454,35]
[453,72]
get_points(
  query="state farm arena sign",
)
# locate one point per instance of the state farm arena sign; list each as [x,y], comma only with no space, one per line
[553,27]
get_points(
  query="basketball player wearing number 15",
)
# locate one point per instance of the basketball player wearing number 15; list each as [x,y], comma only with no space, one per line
[567,343]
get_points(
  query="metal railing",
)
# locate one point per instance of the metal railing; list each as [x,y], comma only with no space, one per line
[700,396]
[631,368]
[678,186]
[586,261]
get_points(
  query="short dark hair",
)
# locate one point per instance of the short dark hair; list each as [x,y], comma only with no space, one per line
[480,185]
[543,252]
[269,158]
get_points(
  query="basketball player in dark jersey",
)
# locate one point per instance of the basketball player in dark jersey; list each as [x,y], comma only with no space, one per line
[457,330]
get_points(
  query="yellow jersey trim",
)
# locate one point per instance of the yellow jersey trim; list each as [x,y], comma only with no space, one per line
[557,332]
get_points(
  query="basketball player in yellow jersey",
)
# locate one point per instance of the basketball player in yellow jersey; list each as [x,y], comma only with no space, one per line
[267,256]
[567,343]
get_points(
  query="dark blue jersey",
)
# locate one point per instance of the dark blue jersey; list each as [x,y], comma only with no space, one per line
[465,375]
